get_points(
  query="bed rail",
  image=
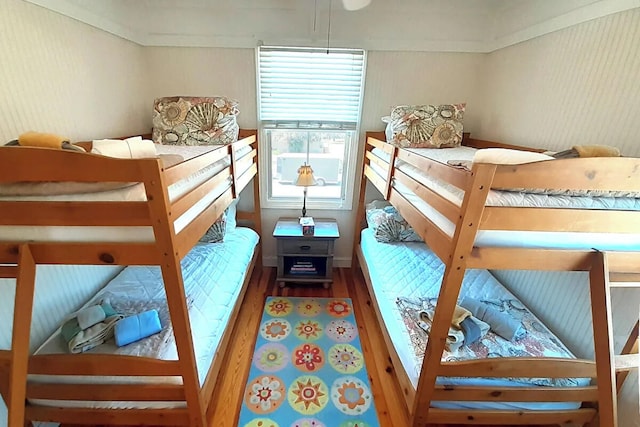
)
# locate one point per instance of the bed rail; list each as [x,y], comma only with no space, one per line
[456,247]
[165,247]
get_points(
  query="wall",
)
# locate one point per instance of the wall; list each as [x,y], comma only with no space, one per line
[580,85]
[61,76]
[58,75]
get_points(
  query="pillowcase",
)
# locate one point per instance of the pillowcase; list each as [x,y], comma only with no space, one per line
[387,224]
[215,233]
[223,225]
[184,120]
[231,215]
[131,148]
[425,126]
[507,156]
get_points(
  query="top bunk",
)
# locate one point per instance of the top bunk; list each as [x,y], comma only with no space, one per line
[511,211]
[81,208]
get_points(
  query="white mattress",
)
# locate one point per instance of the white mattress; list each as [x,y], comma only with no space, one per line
[212,273]
[500,238]
[411,270]
[131,193]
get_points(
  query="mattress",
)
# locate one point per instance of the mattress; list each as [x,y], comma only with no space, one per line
[132,193]
[522,238]
[213,274]
[411,271]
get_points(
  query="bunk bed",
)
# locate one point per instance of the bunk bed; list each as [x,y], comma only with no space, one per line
[153,215]
[455,209]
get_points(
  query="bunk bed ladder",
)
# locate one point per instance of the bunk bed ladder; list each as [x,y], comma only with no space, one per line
[14,362]
[600,290]
[466,229]
[170,266]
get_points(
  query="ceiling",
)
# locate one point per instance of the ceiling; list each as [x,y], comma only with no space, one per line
[412,25]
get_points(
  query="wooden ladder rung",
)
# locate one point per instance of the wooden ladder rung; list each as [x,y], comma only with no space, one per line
[626,362]
[624,280]
[8,271]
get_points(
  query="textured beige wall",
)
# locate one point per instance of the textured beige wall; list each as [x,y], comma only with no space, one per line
[204,72]
[59,75]
[408,78]
[580,85]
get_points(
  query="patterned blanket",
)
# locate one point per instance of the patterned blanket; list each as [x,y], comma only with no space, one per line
[537,342]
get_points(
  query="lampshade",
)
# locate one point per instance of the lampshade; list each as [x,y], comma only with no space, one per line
[305,176]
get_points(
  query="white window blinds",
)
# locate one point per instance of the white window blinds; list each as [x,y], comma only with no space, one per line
[310,88]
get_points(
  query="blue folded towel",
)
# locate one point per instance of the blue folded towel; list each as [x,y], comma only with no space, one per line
[473,329]
[501,323]
[134,328]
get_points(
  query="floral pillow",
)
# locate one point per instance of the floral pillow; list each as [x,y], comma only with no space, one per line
[183,120]
[425,126]
[387,224]
[215,233]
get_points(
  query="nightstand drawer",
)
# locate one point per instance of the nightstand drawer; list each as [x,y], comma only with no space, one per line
[303,246]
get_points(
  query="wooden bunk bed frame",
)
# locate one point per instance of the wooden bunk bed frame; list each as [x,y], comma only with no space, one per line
[19,259]
[606,270]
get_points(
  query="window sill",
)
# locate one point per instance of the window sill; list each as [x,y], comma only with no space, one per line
[317,205]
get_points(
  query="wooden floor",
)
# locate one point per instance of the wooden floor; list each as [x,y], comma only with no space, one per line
[228,396]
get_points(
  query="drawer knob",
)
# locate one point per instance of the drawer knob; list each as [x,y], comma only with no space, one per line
[305,248]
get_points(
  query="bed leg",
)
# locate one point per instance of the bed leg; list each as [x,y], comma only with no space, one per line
[25,284]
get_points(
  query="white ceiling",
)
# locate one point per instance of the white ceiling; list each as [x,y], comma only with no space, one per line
[414,25]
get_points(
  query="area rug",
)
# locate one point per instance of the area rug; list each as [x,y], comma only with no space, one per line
[308,368]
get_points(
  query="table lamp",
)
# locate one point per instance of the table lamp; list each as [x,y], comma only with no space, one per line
[305,179]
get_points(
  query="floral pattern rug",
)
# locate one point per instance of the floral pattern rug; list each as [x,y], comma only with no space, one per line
[308,368]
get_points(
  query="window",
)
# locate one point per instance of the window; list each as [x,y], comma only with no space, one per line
[309,109]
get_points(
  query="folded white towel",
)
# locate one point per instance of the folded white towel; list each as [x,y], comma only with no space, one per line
[130,148]
[92,337]
[90,316]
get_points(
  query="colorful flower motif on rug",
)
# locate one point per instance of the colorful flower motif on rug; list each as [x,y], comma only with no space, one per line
[308,369]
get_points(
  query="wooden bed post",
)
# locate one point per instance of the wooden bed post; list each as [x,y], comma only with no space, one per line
[19,354]
[157,194]
[466,229]
[603,340]
[358,224]
[360,220]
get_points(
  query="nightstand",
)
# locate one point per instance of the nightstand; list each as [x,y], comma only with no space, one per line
[305,259]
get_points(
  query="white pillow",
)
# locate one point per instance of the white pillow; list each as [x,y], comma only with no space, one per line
[231,215]
[506,156]
[130,148]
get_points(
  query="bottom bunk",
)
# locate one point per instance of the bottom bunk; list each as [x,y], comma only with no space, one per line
[215,280]
[404,280]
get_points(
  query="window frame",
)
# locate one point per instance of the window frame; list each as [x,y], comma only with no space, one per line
[349,162]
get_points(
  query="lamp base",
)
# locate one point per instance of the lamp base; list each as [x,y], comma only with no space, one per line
[308,226]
